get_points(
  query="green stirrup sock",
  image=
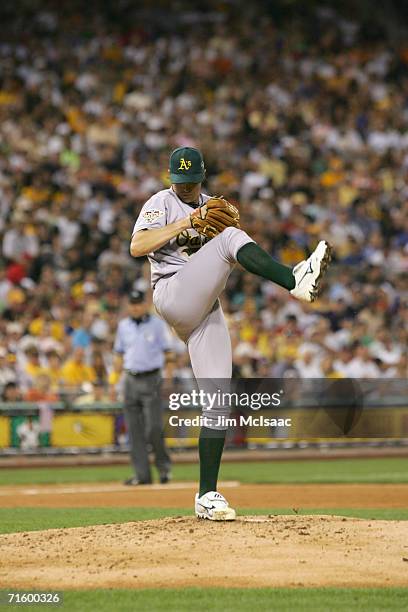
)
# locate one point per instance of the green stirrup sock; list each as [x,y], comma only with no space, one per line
[210,446]
[256,260]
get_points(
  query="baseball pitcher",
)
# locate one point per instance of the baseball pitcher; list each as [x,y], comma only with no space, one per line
[193,242]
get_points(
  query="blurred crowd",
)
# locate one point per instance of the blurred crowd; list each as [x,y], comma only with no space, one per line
[302,122]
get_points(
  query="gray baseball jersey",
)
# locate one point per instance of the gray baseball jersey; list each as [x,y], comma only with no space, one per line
[162,209]
[188,275]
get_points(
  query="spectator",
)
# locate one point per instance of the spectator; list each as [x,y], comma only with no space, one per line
[116,255]
[32,367]
[99,366]
[81,336]
[308,365]
[75,371]
[312,149]
[20,239]
[40,392]
[5,286]
[53,370]
[97,392]
[7,373]
[11,393]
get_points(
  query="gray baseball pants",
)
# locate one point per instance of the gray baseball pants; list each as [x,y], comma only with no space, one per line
[188,302]
[144,417]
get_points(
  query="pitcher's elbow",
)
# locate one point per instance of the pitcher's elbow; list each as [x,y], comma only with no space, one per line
[136,251]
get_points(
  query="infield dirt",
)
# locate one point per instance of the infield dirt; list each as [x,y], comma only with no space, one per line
[296,550]
[254,551]
[181,494]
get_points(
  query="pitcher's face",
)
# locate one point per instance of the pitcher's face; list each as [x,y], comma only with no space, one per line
[187,192]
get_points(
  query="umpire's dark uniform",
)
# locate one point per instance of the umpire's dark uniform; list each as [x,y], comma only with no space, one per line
[142,339]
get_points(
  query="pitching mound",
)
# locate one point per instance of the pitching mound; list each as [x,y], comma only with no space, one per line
[254,551]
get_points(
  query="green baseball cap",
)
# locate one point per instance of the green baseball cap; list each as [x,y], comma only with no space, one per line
[186,166]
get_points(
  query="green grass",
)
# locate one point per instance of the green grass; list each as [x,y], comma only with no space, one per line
[332,471]
[35,519]
[391,470]
[233,600]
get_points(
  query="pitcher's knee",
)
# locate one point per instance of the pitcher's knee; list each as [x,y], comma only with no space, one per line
[230,234]
[230,231]
[232,239]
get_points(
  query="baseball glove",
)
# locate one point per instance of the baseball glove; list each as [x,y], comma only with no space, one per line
[214,216]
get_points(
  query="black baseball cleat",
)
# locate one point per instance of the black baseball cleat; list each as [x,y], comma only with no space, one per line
[134,482]
[164,478]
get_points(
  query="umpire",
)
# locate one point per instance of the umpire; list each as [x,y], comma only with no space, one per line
[140,345]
